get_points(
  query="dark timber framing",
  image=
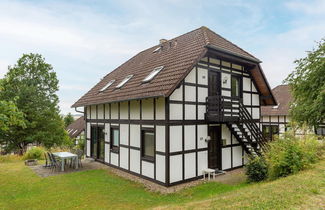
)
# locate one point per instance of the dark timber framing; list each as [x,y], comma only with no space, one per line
[167,123]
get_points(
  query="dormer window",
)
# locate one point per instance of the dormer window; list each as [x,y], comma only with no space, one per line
[107,85]
[127,78]
[153,74]
[276,107]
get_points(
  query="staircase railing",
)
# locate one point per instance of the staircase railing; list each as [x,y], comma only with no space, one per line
[246,118]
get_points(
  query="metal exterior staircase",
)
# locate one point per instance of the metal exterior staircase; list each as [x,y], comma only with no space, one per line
[233,113]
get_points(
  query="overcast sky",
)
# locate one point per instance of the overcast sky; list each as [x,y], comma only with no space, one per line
[85,40]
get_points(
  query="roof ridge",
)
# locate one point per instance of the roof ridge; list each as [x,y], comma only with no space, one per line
[206,28]
[206,37]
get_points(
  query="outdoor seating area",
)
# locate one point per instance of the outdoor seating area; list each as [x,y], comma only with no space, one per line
[60,161]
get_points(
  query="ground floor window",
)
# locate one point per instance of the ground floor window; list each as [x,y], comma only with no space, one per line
[269,131]
[115,138]
[148,144]
[320,131]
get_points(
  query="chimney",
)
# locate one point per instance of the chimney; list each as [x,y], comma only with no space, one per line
[161,41]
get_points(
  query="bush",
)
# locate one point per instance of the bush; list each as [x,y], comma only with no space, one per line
[35,153]
[288,155]
[256,169]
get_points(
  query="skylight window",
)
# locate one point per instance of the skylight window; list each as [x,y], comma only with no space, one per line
[153,74]
[124,81]
[107,85]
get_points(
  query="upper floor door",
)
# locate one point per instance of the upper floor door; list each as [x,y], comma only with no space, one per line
[214,83]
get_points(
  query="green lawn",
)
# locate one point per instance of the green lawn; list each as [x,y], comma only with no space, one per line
[21,188]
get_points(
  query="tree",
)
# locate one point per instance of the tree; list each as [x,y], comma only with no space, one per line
[10,116]
[307,84]
[68,119]
[34,83]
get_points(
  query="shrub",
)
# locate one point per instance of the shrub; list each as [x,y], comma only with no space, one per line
[288,155]
[35,153]
[256,169]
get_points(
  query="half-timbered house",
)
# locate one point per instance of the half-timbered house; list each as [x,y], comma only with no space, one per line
[275,120]
[182,106]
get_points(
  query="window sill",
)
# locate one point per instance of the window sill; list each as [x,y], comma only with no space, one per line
[148,159]
[115,150]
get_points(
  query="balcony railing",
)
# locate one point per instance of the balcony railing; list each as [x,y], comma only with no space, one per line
[222,109]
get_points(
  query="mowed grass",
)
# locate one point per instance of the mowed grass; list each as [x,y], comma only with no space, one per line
[21,188]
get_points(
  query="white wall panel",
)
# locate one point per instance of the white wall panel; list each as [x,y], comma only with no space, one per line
[226,158]
[101,111]
[135,135]
[175,111]
[225,77]
[107,132]
[88,112]
[176,168]
[147,109]
[190,112]
[160,168]
[93,112]
[202,161]
[148,169]
[191,77]
[225,133]
[160,138]
[202,76]
[177,95]
[190,93]
[247,99]
[135,161]
[88,130]
[201,109]
[225,93]
[124,134]
[114,159]
[160,109]
[124,110]
[88,147]
[107,151]
[255,99]
[124,157]
[175,143]
[189,137]
[256,113]
[107,112]
[254,88]
[189,165]
[114,110]
[202,94]
[237,154]
[246,84]
[135,110]
[202,133]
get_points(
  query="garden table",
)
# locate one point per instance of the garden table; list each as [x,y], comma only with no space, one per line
[66,155]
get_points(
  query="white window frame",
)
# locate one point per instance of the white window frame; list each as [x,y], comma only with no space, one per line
[125,80]
[107,85]
[153,73]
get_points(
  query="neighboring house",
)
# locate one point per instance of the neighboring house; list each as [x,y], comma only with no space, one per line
[177,108]
[76,130]
[275,119]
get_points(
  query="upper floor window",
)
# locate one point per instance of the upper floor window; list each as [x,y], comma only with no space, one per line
[235,86]
[152,74]
[148,144]
[107,85]
[127,78]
